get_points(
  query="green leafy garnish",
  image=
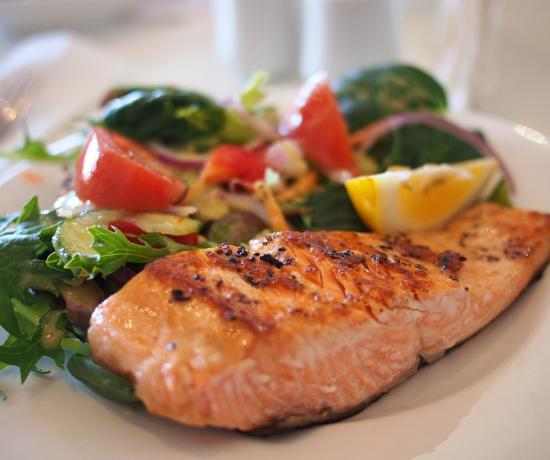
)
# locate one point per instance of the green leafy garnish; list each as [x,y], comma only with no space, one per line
[115,250]
[254,91]
[366,95]
[36,150]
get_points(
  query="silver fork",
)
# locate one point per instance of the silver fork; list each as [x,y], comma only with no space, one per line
[17,93]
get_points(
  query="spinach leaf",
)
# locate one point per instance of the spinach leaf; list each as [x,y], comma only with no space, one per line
[173,117]
[365,95]
[416,145]
[329,209]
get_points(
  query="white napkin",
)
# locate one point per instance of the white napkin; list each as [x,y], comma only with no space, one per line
[73,74]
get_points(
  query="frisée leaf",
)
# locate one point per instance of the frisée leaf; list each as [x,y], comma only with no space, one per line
[110,250]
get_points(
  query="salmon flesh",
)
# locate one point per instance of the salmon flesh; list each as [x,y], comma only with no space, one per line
[305,328]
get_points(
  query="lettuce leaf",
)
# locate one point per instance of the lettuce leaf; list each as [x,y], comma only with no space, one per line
[254,91]
[22,272]
[28,288]
[237,130]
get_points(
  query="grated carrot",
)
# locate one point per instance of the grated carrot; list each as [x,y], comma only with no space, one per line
[277,221]
[305,184]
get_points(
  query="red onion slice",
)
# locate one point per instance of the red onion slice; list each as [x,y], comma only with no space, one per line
[371,134]
[177,161]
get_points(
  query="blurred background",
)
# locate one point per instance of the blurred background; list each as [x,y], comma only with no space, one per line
[491,54]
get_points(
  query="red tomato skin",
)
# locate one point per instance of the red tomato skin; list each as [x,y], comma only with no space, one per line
[123,177]
[319,128]
[128,228]
[189,240]
[228,161]
[131,231]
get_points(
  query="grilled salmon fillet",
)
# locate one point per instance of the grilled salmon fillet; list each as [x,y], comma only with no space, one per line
[305,328]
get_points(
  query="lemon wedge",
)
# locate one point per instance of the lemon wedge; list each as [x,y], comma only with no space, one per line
[403,199]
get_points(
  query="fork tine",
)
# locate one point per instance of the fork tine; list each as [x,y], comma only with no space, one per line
[8,85]
[17,91]
[11,88]
[23,102]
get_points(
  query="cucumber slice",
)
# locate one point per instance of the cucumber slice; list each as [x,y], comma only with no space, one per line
[73,237]
[166,224]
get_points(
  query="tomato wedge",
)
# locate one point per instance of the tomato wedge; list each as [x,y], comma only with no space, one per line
[116,172]
[228,161]
[317,125]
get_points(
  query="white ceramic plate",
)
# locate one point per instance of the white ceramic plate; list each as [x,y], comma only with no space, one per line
[488,399]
